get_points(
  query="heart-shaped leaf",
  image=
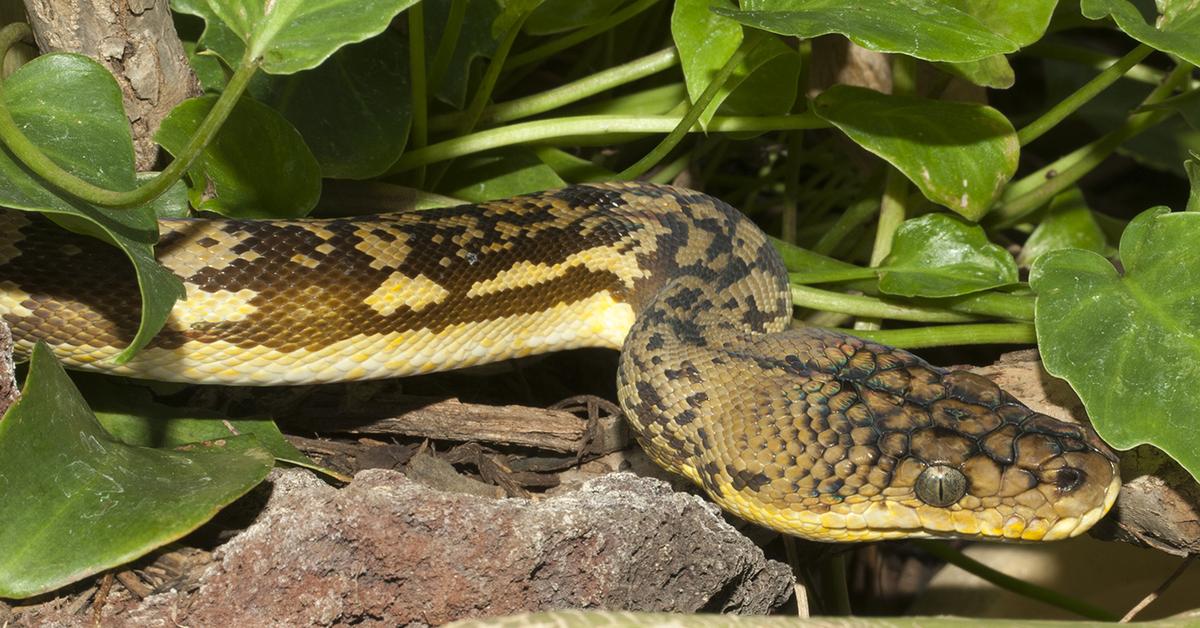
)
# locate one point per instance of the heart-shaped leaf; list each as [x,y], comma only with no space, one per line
[934,30]
[939,255]
[258,163]
[1129,344]
[70,106]
[353,110]
[1177,32]
[77,501]
[959,155]
[288,35]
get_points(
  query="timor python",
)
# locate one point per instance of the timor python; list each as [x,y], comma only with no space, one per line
[809,432]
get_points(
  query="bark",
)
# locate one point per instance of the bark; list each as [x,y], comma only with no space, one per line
[136,41]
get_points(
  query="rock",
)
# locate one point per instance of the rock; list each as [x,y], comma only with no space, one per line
[388,551]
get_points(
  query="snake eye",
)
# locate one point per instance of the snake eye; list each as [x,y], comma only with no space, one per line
[941,486]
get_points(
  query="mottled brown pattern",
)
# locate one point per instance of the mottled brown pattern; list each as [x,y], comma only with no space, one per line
[808,431]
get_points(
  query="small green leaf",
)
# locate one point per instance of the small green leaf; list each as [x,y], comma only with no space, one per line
[77,501]
[1177,32]
[500,174]
[959,155]
[939,255]
[353,110]
[1192,167]
[933,30]
[1069,224]
[217,40]
[705,41]
[993,71]
[294,35]
[763,84]
[258,163]
[70,106]
[1128,344]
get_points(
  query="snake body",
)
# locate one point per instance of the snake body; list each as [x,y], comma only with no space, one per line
[810,432]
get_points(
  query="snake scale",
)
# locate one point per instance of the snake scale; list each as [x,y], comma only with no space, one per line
[806,431]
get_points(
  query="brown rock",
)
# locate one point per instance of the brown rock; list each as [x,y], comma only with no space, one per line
[389,551]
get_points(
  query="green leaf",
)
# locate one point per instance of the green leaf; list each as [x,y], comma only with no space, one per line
[1069,224]
[993,71]
[1128,344]
[933,30]
[77,501]
[1022,22]
[939,255]
[217,40]
[353,110]
[959,155]
[258,164]
[705,41]
[294,35]
[1177,32]
[556,16]
[500,174]
[70,106]
[763,84]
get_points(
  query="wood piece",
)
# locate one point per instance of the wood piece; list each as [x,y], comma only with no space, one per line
[451,419]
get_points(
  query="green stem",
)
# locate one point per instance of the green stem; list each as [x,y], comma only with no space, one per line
[569,93]
[691,117]
[828,300]
[483,93]
[416,66]
[854,217]
[33,157]
[1098,60]
[667,173]
[550,48]
[1028,194]
[1015,307]
[450,34]
[950,335]
[1082,96]
[592,126]
[1020,587]
[831,276]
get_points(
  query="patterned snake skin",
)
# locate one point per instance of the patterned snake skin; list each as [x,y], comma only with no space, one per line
[812,433]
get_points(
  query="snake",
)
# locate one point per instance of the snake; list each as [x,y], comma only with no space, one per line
[804,430]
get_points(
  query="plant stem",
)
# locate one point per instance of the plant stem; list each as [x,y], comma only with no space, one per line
[484,92]
[445,50]
[667,173]
[1028,194]
[1007,582]
[1083,95]
[950,335]
[416,67]
[1099,60]
[569,93]
[37,161]
[893,206]
[592,126]
[690,118]
[1015,307]
[828,300]
[854,217]
[549,48]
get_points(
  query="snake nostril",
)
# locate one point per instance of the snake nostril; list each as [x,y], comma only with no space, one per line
[940,486]
[1068,479]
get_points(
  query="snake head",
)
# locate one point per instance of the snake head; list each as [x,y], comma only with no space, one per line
[871,442]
